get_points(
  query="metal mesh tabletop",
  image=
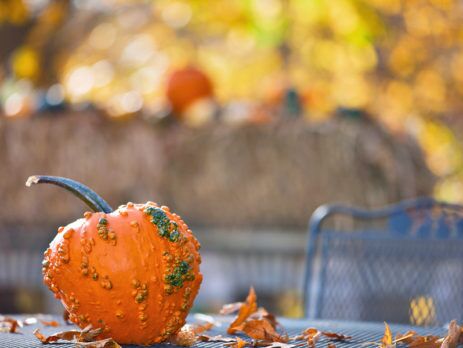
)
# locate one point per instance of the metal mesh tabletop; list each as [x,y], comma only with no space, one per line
[361,332]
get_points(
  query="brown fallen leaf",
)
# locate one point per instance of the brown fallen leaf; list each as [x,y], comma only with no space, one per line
[427,344]
[9,325]
[230,308]
[52,323]
[445,343]
[453,335]
[331,345]
[406,338]
[198,329]
[246,309]
[106,343]
[261,329]
[312,335]
[335,336]
[280,345]
[262,313]
[218,338]
[413,340]
[86,335]
[386,341]
[238,344]
[186,337]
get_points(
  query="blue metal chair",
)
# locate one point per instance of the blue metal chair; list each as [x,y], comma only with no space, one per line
[401,264]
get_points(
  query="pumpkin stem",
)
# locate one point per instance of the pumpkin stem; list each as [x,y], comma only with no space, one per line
[95,202]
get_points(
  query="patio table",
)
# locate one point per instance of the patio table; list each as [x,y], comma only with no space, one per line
[361,332]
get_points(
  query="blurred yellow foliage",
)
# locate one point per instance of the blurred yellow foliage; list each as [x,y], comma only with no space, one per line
[25,62]
[13,11]
[400,60]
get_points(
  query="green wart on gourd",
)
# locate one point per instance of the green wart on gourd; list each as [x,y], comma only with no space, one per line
[180,274]
[166,228]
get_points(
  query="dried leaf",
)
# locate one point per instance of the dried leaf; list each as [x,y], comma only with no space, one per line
[86,335]
[198,329]
[218,338]
[427,343]
[445,343]
[453,335]
[312,336]
[246,309]
[331,345]
[336,337]
[53,323]
[42,338]
[406,338]
[296,338]
[413,340]
[9,325]
[238,344]
[280,345]
[386,341]
[186,337]
[260,329]
[230,308]
[262,313]
[65,335]
[206,319]
[106,343]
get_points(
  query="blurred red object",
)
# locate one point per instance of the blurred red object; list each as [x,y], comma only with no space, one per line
[186,86]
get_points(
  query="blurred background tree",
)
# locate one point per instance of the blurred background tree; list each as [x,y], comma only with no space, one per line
[400,60]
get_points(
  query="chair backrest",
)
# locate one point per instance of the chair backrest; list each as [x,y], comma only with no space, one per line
[402,264]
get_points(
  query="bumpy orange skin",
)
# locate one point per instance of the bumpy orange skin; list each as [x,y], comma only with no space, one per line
[119,283]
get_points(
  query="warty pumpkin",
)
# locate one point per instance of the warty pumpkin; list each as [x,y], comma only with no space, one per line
[134,271]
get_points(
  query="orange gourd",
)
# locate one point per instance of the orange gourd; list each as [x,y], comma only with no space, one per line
[134,271]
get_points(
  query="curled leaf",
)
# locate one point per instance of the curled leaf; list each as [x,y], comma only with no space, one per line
[445,343]
[260,329]
[9,325]
[453,335]
[246,309]
[106,343]
[86,335]
[207,319]
[238,344]
[279,345]
[335,336]
[406,338]
[312,336]
[230,308]
[262,313]
[218,338]
[386,341]
[413,340]
[186,337]
[198,329]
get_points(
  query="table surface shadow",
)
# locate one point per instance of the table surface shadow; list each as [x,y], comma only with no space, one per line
[361,332]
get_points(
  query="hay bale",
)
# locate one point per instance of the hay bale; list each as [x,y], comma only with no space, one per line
[271,175]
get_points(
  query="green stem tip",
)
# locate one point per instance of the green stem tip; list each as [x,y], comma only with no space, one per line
[95,202]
